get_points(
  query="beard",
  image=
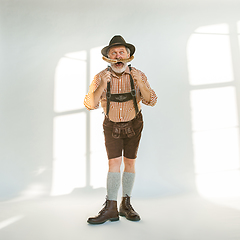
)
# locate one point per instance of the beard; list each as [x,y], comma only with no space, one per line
[119,67]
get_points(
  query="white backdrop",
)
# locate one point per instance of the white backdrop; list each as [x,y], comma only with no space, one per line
[50,144]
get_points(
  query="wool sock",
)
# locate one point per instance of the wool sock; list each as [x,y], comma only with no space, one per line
[127,183]
[113,184]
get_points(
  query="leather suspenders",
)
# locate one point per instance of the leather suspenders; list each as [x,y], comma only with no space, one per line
[122,97]
[133,92]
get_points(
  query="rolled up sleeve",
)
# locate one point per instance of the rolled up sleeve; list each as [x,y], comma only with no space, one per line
[88,98]
[153,96]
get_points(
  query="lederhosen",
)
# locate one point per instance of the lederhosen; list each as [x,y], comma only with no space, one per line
[126,127]
[122,135]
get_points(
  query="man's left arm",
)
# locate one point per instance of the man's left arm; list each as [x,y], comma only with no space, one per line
[148,95]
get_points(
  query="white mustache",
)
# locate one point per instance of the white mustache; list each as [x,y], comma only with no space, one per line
[117,60]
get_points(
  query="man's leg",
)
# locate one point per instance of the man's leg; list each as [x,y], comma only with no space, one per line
[128,177]
[110,211]
[113,178]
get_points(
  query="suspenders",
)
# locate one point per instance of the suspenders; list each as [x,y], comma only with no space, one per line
[122,97]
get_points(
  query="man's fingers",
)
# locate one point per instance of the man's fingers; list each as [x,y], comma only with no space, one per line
[108,76]
[105,78]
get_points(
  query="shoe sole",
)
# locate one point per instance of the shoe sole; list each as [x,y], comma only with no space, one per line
[111,219]
[134,220]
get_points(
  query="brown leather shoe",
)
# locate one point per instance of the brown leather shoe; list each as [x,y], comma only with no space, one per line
[126,210]
[109,212]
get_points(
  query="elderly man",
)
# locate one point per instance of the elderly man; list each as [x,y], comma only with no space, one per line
[120,89]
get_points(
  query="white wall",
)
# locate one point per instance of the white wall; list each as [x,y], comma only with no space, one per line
[35,35]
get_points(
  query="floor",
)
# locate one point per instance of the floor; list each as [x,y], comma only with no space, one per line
[184,217]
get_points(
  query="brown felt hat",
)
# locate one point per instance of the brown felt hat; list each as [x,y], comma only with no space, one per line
[117,41]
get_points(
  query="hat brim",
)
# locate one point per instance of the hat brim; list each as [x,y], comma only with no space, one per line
[128,45]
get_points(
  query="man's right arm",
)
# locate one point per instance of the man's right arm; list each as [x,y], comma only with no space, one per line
[95,97]
[96,90]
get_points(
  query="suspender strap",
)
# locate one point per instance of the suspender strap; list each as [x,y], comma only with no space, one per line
[122,97]
[108,95]
[133,91]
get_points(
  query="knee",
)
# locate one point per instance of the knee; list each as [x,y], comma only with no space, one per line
[129,164]
[129,161]
[114,164]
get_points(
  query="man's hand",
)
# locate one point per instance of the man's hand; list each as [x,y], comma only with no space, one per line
[142,86]
[96,95]
[136,76]
[105,79]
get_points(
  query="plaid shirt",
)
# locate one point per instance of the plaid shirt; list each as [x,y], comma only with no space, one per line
[120,111]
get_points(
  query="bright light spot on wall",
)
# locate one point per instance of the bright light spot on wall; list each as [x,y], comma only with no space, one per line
[214,112]
[70,82]
[70,133]
[209,59]
[213,108]
[98,156]
[219,184]
[215,137]
[69,140]
[216,150]
[69,166]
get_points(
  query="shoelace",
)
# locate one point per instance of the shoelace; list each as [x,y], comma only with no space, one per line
[104,206]
[128,204]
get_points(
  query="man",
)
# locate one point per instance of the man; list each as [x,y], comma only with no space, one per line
[120,89]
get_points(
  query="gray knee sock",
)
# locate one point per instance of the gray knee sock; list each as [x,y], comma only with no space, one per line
[127,183]
[113,184]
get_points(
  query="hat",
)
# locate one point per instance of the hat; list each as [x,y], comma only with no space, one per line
[116,41]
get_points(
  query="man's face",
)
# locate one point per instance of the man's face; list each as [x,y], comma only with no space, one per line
[118,52]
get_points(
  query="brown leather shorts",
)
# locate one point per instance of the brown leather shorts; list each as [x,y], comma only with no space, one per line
[123,138]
